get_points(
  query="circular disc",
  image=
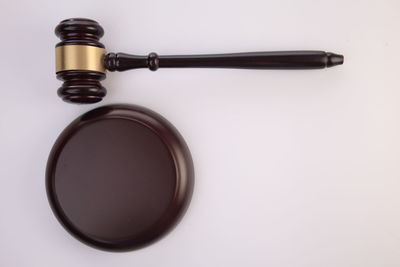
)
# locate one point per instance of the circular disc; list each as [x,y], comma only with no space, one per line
[119,177]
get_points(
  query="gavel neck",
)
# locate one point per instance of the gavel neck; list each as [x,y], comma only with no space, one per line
[250,60]
[123,62]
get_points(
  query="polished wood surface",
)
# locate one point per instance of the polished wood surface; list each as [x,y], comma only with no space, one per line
[83,85]
[119,177]
[249,60]
[80,86]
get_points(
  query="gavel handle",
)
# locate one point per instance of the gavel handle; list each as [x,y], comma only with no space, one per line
[251,60]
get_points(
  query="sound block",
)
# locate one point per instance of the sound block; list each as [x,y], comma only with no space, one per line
[119,177]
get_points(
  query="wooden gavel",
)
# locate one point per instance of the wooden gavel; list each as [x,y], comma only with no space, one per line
[81,61]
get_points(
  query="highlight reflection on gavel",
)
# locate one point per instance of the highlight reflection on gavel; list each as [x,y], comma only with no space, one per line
[81,61]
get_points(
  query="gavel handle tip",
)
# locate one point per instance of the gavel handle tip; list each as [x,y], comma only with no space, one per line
[334,59]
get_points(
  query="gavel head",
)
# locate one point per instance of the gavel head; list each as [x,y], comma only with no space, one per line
[79,61]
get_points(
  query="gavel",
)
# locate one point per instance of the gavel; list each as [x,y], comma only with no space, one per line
[82,62]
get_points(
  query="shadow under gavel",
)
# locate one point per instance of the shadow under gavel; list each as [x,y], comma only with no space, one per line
[81,60]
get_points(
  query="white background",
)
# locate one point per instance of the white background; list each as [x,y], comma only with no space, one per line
[293,168]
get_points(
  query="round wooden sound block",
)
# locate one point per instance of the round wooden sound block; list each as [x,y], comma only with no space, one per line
[119,177]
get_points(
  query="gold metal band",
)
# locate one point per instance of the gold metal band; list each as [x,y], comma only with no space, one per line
[80,57]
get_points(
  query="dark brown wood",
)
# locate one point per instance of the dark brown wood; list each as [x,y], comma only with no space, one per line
[79,31]
[119,177]
[80,86]
[250,60]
